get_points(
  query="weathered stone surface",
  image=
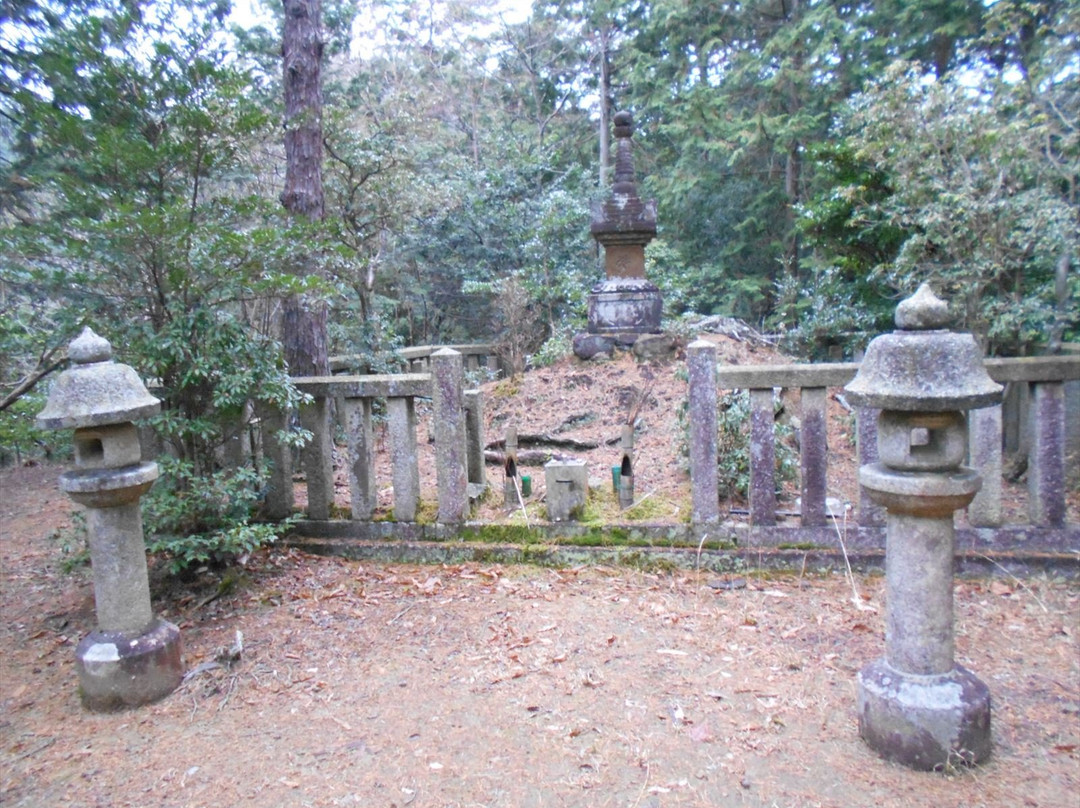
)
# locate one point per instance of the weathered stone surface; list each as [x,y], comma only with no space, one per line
[278,503]
[95,391]
[813,455]
[384,386]
[984,442]
[923,311]
[624,218]
[589,346]
[118,554]
[401,417]
[626,467]
[620,305]
[363,487]
[132,658]
[869,513]
[317,457]
[762,458]
[916,706]
[703,400]
[107,488]
[1046,460]
[623,225]
[931,441]
[924,722]
[567,483]
[110,446]
[118,670]
[447,377]
[654,346]
[925,371]
[474,435]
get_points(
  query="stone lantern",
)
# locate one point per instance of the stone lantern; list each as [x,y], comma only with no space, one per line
[916,706]
[132,658]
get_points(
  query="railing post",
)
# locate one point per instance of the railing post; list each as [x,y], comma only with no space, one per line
[279,495]
[447,377]
[474,435]
[363,491]
[762,457]
[318,458]
[984,448]
[1046,458]
[401,417]
[866,418]
[705,495]
[813,455]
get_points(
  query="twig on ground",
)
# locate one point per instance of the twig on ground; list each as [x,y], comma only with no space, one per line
[34,750]
[643,787]
[1016,581]
[521,501]
[855,597]
[697,564]
[401,614]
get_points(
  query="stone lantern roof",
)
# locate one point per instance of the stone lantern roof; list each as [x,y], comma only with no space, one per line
[95,391]
[624,218]
[922,366]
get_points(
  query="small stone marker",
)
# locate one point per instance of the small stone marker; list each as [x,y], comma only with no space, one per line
[916,706]
[132,658]
[626,467]
[510,469]
[567,483]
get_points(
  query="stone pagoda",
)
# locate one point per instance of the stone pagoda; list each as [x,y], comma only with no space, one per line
[625,305]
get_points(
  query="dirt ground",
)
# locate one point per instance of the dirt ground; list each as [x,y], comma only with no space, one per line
[388,685]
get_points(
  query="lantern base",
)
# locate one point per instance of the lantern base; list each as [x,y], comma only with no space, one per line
[925,722]
[118,670]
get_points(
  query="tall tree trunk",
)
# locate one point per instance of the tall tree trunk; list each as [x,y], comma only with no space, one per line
[605,99]
[303,321]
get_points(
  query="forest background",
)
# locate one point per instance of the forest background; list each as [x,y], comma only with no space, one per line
[813,162]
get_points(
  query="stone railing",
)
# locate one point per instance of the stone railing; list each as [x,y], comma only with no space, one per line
[418,357]
[1045,376]
[456,413]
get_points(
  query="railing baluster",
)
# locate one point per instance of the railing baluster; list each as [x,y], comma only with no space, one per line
[447,375]
[762,457]
[984,447]
[363,491]
[813,455]
[474,436]
[401,416]
[705,497]
[318,458]
[279,496]
[869,514]
[1046,458]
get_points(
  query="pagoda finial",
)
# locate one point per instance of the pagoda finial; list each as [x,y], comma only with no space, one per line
[625,181]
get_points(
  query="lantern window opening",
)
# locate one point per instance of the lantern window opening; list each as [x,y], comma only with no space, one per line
[89,451]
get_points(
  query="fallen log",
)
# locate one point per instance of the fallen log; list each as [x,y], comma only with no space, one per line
[528,457]
[541,439]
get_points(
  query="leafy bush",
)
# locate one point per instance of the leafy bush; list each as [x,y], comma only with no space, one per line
[558,346]
[733,445]
[196,518]
[20,439]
